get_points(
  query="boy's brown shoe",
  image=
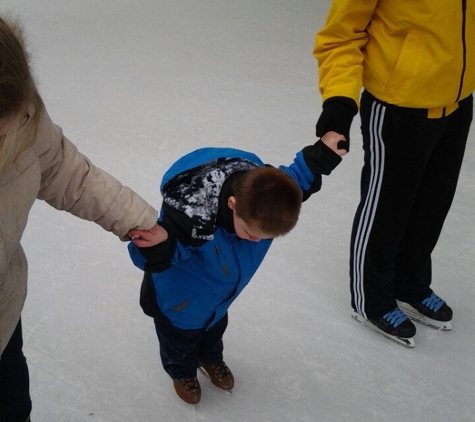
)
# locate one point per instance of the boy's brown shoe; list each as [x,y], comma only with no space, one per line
[220,375]
[188,389]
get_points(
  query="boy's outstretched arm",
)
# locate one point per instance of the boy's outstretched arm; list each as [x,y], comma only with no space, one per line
[314,161]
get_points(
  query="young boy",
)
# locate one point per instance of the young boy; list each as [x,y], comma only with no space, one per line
[221,210]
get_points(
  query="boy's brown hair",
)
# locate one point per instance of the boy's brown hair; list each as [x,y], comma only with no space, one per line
[269,199]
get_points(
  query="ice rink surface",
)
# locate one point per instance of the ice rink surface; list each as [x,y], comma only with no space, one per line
[136,84]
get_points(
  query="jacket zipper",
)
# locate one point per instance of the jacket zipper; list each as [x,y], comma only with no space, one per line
[223,261]
[464,47]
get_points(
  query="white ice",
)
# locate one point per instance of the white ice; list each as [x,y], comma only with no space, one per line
[136,84]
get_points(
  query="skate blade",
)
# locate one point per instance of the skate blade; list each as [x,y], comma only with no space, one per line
[406,342]
[416,316]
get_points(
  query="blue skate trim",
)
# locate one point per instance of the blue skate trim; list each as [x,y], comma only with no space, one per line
[396,317]
[433,302]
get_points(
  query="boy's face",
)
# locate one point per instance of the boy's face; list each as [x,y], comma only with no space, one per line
[244,230]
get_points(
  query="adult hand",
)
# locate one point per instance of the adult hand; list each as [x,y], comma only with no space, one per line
[333,140]
[147,238]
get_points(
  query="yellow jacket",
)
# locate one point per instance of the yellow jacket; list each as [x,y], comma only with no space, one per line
[410,54]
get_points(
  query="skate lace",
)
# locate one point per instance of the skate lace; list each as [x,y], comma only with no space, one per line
[395,317]
[433,302]
[190,384]
[221,370]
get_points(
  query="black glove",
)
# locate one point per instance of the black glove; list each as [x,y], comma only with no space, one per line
[337,115]
[320,159]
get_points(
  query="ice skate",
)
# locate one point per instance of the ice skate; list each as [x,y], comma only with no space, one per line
[432,311]
[220,375]
[188,389]
[394,325]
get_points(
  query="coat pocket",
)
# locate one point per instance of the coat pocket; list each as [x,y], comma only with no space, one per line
[222,260]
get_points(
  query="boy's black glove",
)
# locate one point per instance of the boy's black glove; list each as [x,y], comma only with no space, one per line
[337,115]
[320,159]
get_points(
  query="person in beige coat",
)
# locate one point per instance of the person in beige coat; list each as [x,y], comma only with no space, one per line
[38,161]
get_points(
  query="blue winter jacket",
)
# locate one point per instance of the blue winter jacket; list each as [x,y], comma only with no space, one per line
[203,266]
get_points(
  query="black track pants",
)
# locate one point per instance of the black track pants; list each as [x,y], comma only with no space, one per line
[408,182]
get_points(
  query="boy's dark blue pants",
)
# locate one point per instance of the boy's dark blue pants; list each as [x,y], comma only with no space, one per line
[182,350]
[15,402]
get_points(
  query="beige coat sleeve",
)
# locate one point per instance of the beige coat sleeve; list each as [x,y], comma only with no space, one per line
[71,182]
